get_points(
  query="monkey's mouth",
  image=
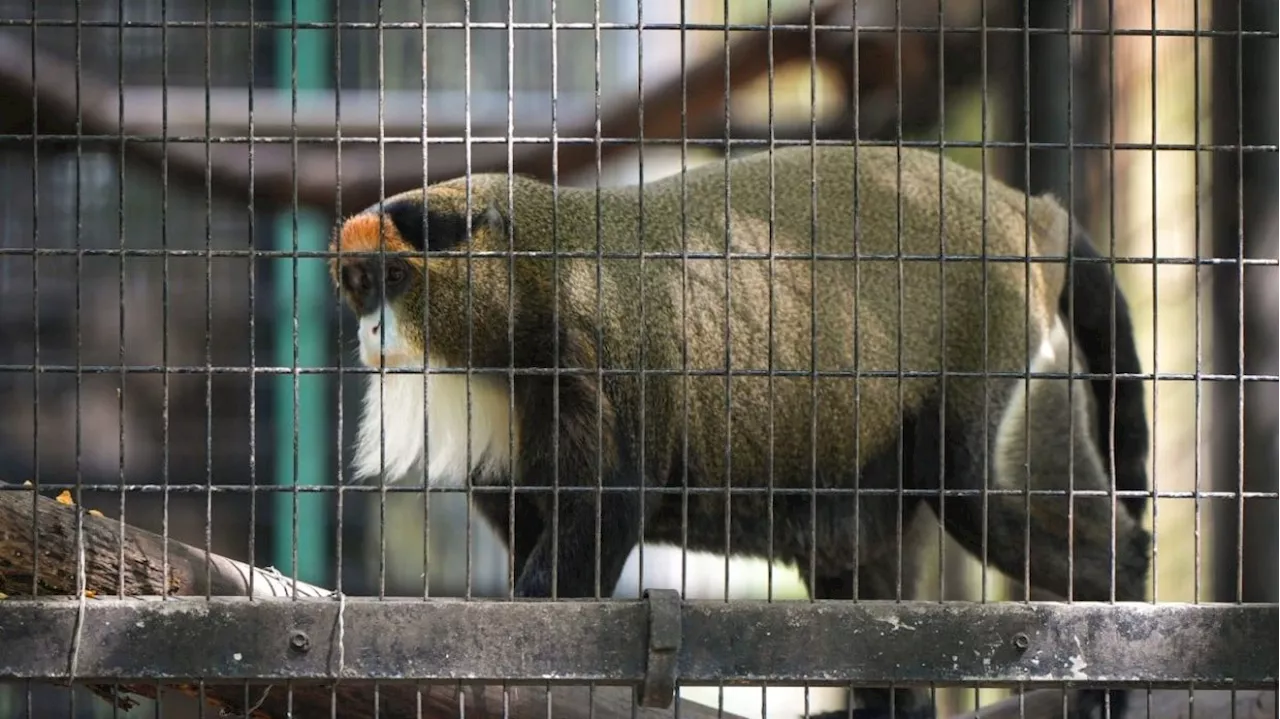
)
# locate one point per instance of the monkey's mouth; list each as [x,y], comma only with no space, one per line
[380,344]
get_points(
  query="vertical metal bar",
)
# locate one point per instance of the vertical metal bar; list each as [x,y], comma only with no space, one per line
[771,362]
[728,308]
[511,295]
[301,532]
[813,305]
[1072,368]
[253,230]
[339,353]
[259,234]
[1198,420]
[1155,311]
[120,229]
[555,316]
[984,39]
[382,312]
[35,312]
[208,300]
[79,352]
[1227,233]
[684,295]
[426,324]
[855,94]
[467,79]
[165,435]
[899,226]
[901,280]
[641,453]
[942,304]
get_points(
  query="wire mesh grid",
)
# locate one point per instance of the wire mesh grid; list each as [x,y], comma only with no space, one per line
[704,350]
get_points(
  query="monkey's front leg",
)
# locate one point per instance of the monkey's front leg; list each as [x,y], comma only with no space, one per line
[575,551]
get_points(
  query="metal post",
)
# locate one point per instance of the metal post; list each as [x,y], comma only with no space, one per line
[1049,117]
[1244,227]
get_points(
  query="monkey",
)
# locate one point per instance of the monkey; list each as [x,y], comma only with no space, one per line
[696,360]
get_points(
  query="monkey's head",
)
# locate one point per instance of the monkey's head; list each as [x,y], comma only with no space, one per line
[412,303]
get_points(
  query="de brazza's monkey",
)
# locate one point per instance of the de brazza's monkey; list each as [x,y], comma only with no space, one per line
[834,328]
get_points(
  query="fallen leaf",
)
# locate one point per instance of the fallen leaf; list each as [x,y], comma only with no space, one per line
[95,513]
[64,497]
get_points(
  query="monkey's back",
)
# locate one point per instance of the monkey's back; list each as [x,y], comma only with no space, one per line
[855,283]
[865,266]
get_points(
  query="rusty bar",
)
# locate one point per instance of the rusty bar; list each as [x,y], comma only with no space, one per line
[1210,645]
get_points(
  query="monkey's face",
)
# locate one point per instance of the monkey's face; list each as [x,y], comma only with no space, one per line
[386,277]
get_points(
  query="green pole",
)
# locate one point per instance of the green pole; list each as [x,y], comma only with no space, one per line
[302,299]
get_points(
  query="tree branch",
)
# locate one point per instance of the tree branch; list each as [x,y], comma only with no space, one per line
[120,560]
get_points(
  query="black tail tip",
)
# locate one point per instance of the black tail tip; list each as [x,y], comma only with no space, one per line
[1134,559]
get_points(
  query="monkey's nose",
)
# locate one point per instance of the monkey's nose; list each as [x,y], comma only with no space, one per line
[375,329]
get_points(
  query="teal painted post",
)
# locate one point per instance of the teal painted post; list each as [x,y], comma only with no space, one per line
[303,441]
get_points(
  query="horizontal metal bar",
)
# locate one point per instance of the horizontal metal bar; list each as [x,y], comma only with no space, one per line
[327,254]
[695,139]
[810,492]
[605,25]
[1210,645]
[408,487]
[353,369]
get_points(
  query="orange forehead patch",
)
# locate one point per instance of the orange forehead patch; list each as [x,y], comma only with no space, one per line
[361,233]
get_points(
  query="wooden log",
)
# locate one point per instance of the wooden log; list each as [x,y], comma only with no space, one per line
[39,555]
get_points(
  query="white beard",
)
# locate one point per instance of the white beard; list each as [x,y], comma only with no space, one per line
[398,414]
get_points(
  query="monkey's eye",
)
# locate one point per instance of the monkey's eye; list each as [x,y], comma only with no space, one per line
[395,275]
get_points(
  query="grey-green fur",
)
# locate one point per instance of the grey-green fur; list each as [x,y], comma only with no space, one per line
[874,316]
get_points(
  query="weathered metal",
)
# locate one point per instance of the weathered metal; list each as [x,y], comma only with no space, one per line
[616,642]
[658,689]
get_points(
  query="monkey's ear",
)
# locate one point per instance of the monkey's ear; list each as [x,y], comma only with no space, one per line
[444,229]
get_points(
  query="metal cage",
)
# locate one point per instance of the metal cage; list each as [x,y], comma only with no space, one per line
[176,537]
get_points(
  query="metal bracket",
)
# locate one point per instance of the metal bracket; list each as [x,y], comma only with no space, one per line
[658,690]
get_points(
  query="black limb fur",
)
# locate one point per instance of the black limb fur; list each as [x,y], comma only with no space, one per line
[556,538]
[881,573]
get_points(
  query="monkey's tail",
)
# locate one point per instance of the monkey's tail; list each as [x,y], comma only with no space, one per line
[1092,290]
[1058,549]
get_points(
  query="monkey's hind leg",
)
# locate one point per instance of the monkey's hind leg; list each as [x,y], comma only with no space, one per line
[495,508]
[876,581]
